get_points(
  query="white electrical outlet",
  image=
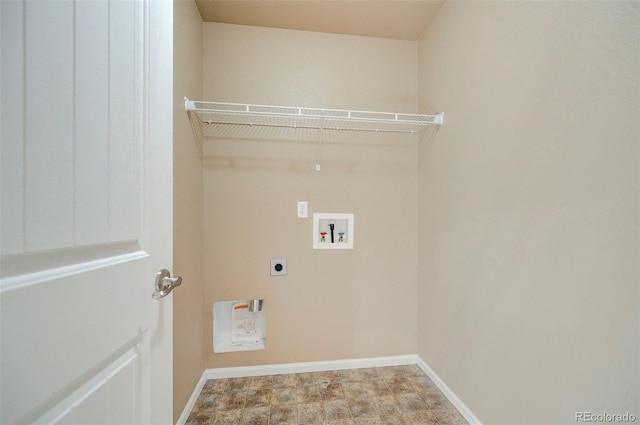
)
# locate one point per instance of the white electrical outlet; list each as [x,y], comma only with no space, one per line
[302,209]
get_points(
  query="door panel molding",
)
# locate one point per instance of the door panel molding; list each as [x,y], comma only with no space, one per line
[115,377]
[23,270]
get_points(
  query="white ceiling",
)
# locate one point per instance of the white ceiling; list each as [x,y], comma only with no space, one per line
[396,19]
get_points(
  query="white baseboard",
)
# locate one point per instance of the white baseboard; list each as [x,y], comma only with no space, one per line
[277,369]
[453,398]
[182,420]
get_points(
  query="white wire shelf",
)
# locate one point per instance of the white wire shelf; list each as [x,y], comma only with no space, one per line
[206,117]
[313,118]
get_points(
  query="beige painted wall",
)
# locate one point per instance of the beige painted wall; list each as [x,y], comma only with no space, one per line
[188,195]
[332,304]
[528,208]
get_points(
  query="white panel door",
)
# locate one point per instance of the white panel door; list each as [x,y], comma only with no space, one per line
[86,211]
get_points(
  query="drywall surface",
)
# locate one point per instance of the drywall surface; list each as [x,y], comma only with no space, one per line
[528,208]
[332,304]
[188,242]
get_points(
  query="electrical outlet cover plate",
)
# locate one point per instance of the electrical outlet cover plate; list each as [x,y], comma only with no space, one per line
[302,209]
[279,267]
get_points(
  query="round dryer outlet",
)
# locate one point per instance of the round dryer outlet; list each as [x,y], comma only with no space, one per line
[279,267]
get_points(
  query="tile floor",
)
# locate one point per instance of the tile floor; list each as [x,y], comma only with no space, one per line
[371,396]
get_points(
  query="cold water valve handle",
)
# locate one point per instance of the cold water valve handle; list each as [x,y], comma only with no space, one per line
[165,284]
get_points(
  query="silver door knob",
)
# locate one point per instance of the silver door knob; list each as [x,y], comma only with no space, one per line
[165,284]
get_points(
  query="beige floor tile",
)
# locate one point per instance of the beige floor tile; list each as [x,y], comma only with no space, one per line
[213,386]
[258,398]
[284,381]
[387,405]
[336,409]
[281,396]
[201,418]
[256,416]
[283,415]
[207,402]
[231,400]
[360,407]
[261,382]
[410,402]
[395,420]
[436,400]
[333,391]
[238,384]
[334,376]
[304,379]
[355,389]
[400,385]
[371,420]
[379,388]
[228,417]
[424,417]
[308,394]
[310,413]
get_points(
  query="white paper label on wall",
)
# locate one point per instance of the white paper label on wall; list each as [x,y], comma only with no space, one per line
[244,325]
